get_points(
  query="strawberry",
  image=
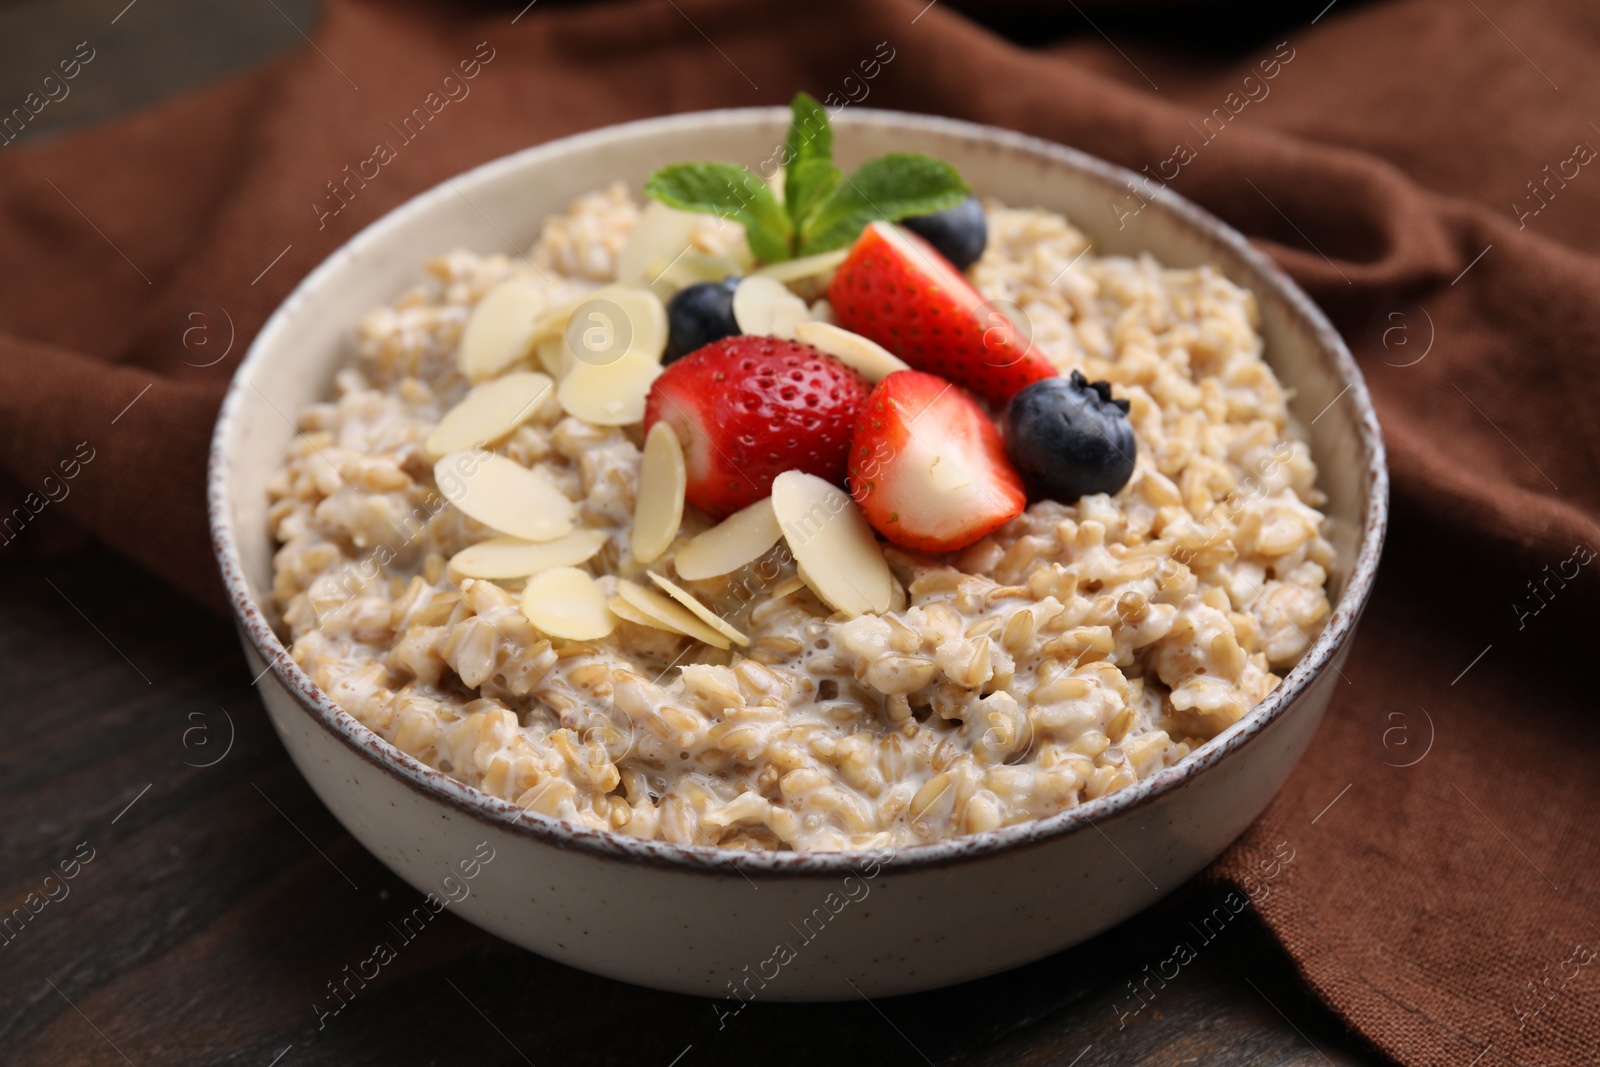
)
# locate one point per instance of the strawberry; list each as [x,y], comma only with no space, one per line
[928,467]
[895,289]
[746,409]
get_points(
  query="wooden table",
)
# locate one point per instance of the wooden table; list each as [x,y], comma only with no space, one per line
[214,897]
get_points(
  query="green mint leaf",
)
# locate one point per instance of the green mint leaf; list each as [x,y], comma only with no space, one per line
[891,187]
[809,173]
[807,184]
[810,135]
[729,192]
[766,225]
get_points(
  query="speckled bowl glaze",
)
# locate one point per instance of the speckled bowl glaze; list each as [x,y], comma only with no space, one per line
[785,925]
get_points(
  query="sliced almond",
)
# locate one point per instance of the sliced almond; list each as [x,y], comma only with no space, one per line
[788,587]
[566,602]
[832,543]
[663,233]
[628,613]
[552,321]
[788,317]
[499,331]
[764,307]
[511,557]
[703,613]
[649,314]
[741,538]
[821,265]
[611,394]
[489,412]
[504,496]
[870,359]
[615,320]
[668,614]
[695,267]
[805,579]
[553,357]
[658,512]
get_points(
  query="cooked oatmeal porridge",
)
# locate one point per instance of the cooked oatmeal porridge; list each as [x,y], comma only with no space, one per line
[1078,647]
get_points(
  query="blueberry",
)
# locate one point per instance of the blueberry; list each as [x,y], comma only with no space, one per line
[1067,437]
[698,315]
[959,232]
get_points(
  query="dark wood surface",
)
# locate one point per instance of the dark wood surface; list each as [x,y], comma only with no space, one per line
[214,897]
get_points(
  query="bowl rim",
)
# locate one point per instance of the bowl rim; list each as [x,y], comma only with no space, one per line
[440,787]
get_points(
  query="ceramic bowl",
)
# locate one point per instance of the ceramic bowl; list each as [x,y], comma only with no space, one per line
[785,925]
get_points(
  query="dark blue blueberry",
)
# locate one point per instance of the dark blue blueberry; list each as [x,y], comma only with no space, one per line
[698,315]
[959,232]
[1067,437]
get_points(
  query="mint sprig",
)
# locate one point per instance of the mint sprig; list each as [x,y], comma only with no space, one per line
[822,208]
[808,174]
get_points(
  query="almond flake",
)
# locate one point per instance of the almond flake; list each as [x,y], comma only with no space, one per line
[658,511]
[499,331]
[764,307]
[832,543]
[566,602]
[668,614]
[552,321]
[611,394]
[614,320]
[662,234]
[693,268]
[806,582]
[504,496]
[705,614]
[805,579]
[741,538]
[511,557]
[489,412]
[788,587]
[628,613]
[870,359]
[552,353]
[787,317]
[821,265]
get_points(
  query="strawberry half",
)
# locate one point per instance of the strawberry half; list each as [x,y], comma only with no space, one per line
[746,409]
[929,468]
[897,290]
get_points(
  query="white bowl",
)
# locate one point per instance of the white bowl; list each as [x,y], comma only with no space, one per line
[785,925]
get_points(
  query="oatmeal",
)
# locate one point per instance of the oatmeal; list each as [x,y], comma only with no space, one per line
[556,654]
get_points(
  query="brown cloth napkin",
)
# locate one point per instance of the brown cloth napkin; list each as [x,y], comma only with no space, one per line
[1422,167]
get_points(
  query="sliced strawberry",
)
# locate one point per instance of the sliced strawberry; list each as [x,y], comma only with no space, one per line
[897,290]
[746,409]
[928,467]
